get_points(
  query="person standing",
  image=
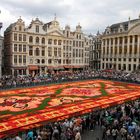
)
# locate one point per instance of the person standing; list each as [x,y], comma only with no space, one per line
[78,135]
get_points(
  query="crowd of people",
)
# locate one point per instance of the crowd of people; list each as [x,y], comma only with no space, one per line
[121,122]
[63,76]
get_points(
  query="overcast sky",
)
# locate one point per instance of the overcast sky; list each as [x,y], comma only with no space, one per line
[91,14]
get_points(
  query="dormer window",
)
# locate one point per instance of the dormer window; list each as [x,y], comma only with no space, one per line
[67,33]
[20,28]
[37,29]
[77,36]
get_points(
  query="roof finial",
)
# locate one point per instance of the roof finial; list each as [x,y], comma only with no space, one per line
[98,32]
[129,18]
[139,16]
[54,16]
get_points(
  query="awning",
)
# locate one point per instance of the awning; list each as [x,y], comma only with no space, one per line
[78,66]
[55,68]
[19,68]
[60,67]
[67,66]
[50,67]
[33,67]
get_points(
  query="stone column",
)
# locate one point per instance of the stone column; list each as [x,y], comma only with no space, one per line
[133,44]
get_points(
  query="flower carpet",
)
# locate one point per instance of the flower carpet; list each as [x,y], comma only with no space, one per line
[26,108]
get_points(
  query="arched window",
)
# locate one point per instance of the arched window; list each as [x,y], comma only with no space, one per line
[50,41]
[37,40]
[43,40]
[37,52]
[55,42]
[43,61]
[37,61]
[49,61]
[59,42]
[30,39]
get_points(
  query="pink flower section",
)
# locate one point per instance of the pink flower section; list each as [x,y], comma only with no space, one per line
[117,90]
[82,91]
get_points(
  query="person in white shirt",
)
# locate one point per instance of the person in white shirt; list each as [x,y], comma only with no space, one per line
[78,135]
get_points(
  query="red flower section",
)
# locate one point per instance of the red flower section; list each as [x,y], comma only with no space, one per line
[81,91]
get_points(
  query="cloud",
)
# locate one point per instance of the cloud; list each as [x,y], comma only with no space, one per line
[92,14]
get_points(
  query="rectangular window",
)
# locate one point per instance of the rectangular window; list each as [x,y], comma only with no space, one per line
[24,37]
[111,41]
[131,39]
[135,59]
[30,50]
[116,41]
[120,40]
[59,52]
[129,67]
[20,48]
[82,44]
[15,37]
[20,58]
[24,48]
[125,40]
[49,51]
[76,52]
[37,29]
[66,48]
[20,37]
[76,43]
[136,38]
[134,67]
[15,59]
[15,47]
[124,59]
[24,59]
[119,66]
[125,49]
[55,51]
[43,51]
[124,66]
[135,49]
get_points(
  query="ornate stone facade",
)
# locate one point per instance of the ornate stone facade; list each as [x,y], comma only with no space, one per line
[121,46]
[95,51]
[41,47]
